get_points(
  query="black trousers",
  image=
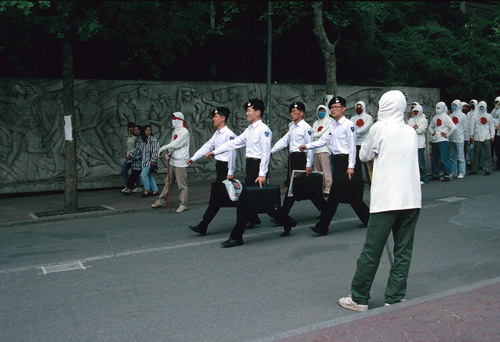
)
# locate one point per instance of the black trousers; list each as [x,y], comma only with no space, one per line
[221,169]
[298,161]
[134,176]
[242,218]
[340,163]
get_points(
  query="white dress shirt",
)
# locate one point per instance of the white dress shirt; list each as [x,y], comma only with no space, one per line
[340,138]
[299,134]
[220,136]
[257,139]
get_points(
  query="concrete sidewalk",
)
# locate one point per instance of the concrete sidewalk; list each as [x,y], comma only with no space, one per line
[470,313]
[26,208]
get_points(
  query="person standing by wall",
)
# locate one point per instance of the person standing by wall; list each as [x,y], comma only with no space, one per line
[134,158]
[457,157]
[419,123]
[127,163]
[395,202]
[495,114]
[482,130]
[441,127]
[363,121]
[149,157]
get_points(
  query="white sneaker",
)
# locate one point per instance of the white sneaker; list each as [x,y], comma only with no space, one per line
[422,183]
[124,189]
[181,209]
[460,176]
[157,204]
[348,303]
[137,189]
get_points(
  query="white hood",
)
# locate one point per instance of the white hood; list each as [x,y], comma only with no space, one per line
[459,105]
[391,107]
[362,103]
[441,108]
[177,124]
[483,104]
[419,109]
[318,110]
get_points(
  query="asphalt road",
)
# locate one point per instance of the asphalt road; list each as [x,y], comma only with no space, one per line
[144,276]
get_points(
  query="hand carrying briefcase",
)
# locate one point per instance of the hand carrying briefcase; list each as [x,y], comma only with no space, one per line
[347,190]
[258,200]
[304,187]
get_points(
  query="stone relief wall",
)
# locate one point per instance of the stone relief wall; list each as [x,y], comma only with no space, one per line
[32,134]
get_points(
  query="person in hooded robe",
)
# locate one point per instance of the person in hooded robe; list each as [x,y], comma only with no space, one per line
[363,122]
[482,133]
[441,127]
[495,114]
[457,157]
[419,123]
[177,156]
[395,202]
[322,154]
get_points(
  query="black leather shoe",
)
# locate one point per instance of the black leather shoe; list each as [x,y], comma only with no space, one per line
[318,231]
[231,243]
[288,228]
[197,229]
[363,225]
[253,224]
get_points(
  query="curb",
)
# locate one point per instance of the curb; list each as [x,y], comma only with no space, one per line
[383,309]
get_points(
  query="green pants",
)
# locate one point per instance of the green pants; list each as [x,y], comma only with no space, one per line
[402,224]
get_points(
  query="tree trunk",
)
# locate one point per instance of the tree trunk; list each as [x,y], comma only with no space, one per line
[327,48]
[70,192]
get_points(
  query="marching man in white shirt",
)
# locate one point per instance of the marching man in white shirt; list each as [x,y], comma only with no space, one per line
[178,153]
[482,134]
[224,166]
[341,139]
[257,139]
[299,133]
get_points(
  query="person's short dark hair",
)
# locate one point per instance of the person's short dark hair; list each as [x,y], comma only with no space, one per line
[131,124]
[337,99]
[222,111]
[256,104]
[299,105]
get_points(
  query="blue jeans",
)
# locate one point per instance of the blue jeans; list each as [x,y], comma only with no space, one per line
[148,179]
[125,167]
[457,158]
[440,160]
[421,164]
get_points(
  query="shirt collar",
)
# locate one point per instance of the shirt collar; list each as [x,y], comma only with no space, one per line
[256,123]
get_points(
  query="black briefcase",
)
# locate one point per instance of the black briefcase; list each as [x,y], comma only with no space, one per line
[348,191]
[306,187]
[219,196]
[254,199]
